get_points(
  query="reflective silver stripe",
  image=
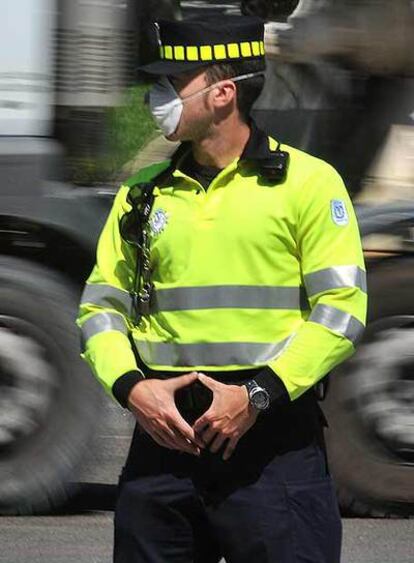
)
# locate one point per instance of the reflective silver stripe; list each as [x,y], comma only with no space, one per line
[230,297]
[107,296]
[102,322]
[333,278]
[338,321]
[208,354]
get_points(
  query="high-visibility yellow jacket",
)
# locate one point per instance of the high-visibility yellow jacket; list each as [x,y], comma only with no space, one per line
[245,274]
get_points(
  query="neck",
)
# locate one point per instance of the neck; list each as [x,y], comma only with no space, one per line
[223,144]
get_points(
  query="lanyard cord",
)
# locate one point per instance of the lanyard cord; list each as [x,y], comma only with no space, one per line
[144,280]
[142,201]
[141,291]
[136,222]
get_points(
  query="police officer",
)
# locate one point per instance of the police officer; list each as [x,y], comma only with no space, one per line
[228,282]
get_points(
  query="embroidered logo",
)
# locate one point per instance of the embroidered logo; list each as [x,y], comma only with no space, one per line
[158,221]
[339,213]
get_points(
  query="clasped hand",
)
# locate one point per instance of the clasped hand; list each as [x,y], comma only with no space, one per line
[228,418]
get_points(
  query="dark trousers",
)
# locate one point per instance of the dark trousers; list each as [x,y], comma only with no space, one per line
[272,502]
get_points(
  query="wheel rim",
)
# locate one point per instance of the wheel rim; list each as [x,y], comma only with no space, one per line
[27,381]
[382,385]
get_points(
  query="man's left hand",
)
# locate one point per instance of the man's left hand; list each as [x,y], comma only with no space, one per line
[229,417]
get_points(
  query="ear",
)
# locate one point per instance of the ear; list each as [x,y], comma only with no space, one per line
[224,94]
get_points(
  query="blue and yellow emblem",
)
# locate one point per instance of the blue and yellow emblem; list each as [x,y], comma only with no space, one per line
[158,221]
[339,212]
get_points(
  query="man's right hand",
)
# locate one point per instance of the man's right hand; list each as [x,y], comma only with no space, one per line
[152,403]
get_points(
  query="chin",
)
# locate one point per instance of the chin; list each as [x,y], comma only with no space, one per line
[179,135]
[172,137]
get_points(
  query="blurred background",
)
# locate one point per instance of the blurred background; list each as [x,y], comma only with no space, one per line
[73,125]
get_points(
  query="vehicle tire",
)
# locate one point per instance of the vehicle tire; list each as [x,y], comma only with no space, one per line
[49,403]
[370,403]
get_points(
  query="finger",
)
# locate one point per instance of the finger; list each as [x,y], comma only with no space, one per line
[185,429]
[167,436]
[185,445]
[179,441]
[208,381]
[182,380]
[204,420]
[217,443]
[174,440]
[208,435]
[159,439]
[160,432]
[231,446]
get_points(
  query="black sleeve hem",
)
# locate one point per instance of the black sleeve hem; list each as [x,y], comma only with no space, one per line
[123,385]
[270,381]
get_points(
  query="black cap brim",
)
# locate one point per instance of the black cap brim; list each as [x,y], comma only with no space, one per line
[171,68]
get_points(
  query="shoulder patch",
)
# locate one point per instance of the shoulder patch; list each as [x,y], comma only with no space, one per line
[339,212]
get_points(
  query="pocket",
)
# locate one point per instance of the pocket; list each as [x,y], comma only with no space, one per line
[315,520]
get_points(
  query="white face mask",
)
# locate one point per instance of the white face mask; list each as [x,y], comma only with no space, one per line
[167,107]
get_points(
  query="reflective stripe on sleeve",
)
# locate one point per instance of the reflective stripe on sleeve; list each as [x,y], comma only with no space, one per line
[103,322]
[338,321]
[335,277]
[229,296]
[105,295]
[209,354]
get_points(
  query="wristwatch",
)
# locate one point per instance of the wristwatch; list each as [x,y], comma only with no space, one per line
[259,398]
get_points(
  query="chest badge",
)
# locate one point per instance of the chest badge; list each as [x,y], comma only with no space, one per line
[158,221]
[339,212]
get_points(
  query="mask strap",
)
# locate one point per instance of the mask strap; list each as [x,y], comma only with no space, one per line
[246,76]
[212,86]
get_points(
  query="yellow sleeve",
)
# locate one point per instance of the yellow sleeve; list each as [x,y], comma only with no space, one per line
[106,304]
[334,276]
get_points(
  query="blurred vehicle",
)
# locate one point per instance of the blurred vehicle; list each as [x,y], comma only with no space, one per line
[340,85]
[63,63]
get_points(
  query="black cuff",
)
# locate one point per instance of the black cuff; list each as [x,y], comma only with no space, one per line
[270,381]
[123,385]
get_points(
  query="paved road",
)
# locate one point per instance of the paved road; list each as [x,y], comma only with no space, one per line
[88,539]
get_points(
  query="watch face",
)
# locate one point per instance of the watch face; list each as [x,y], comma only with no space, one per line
[260,399]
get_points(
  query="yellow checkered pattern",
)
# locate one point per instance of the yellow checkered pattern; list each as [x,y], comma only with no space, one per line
[213,53]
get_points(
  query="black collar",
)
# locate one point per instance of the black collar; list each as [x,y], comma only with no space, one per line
[271,165]
[257,147]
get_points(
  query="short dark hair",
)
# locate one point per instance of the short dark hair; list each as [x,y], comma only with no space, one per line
[247,90]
